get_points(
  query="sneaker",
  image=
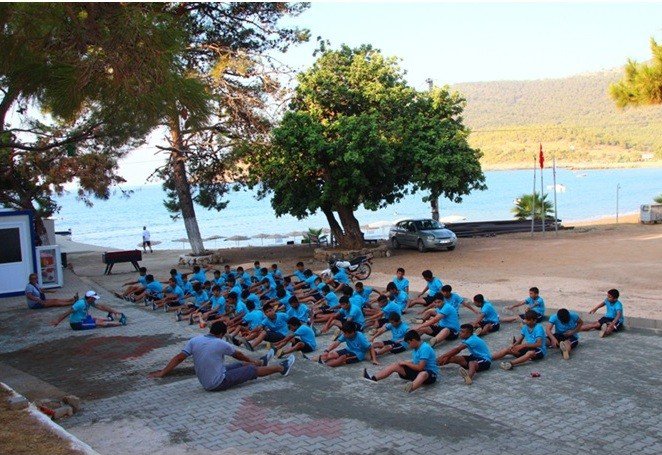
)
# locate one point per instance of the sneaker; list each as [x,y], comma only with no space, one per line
[514,340]
[190,320]
[506,366]
[304,356]
[603,330]
[110,317]
[154,307]
[122,319]
[247,344]
[178,316]
[266,358]
[287,365]
[367,377]
[132,299]
[563,346]
[408,387]
[76,297]
[465,375]
[320,361]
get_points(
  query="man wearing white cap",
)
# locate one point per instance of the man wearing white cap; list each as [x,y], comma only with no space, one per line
[80,319]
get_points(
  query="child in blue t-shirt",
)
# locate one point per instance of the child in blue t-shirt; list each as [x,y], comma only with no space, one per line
[422,370]
[531,344]
[400,281]
[479,358]
[533,303]
[444,325]
[613,319]
[357,346]
[396,344]
[135,287]
[562,331]
[381,316]
[433,289]
[488,319]
[301,337]
[347,313]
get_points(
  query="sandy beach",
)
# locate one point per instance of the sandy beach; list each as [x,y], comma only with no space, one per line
[573,268]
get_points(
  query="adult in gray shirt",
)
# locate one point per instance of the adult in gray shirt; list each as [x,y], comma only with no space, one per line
[36,298]
[209,353]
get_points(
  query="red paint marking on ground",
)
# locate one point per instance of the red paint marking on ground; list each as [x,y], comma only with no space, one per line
[253,419]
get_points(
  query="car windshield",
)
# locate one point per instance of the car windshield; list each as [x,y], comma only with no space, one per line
[428,225]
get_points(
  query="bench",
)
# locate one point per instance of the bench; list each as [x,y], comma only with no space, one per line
[110,258]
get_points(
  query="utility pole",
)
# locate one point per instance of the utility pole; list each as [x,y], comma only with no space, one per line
[618,190]
[434,199]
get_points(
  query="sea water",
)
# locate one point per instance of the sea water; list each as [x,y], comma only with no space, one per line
[118,222]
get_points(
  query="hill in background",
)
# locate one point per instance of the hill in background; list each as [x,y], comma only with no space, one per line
[573,117]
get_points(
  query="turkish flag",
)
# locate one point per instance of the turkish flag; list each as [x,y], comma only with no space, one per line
[541,158]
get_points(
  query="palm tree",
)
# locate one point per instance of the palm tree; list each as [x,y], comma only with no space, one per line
[658,199]
[523,206]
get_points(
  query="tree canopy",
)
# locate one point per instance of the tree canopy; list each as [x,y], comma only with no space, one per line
[356,134]
[642,83]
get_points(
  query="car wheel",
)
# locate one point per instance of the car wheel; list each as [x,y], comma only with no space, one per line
[395,243]
[451,248]
[421,246]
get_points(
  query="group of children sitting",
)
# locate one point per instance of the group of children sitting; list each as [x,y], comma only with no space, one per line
[284,312]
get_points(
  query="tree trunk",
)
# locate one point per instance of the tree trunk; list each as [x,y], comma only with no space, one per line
[434,206]
[336,229]
[352,237]
[183,188]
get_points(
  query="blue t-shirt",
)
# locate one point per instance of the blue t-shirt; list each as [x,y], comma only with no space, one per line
[187,288]
[402,284]
[310,281]
[560,327]
[450,318]
[434,286]
[390,308]
[255,299]
[477,347]
[200,298]
[306,334]
[332,299]
[276,274]
[612,308]
[237,288]
[357,300]
[400,298]
[341,277]
[254,319]
[358,345]
[285,300]
[537,305]
[142,279]
[257,273]
[455,300]
[354,313]
[302,313]
[79,311]
[155,288]
[240,307]
[218,304]
[179,281]
[201,276]
[490,314]
[367,290]
[244,279]
[299,274]
[177,291]
[425,352]
[220,281]
[398,333]
[279,324]
[532,335]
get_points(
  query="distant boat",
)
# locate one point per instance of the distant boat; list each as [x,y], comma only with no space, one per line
[560,188]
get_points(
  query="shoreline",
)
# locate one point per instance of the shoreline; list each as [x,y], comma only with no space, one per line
[584,166]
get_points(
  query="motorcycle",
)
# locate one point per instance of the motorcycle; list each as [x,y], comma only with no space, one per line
[359,267]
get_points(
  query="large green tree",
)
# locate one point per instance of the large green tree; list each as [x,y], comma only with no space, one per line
[357,134]
[81,84]
[231,47]
[642,83]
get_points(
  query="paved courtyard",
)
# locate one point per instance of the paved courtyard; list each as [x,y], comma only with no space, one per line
[606,399]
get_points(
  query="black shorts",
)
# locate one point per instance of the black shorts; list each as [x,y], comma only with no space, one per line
[272,337]
[306,347]
[429,299]
[351,357]
[538,319]
[358,327]
[437,329]
[381,321]
[326,309]
[574,341]
[396,346]
[411,374]
[606,320]
[494,328]
[481,364]
[538,353]
[147,243]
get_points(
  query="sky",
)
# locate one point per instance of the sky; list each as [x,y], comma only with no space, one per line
[467,42]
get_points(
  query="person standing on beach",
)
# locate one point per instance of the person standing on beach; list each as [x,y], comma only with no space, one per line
[146,240]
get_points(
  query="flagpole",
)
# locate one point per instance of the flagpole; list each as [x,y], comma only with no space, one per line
[533,199]
[556,215]
[542,191]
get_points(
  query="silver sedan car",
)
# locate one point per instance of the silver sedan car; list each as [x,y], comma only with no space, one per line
[423,234]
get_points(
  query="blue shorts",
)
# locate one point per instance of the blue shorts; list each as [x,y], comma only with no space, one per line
[86,324]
